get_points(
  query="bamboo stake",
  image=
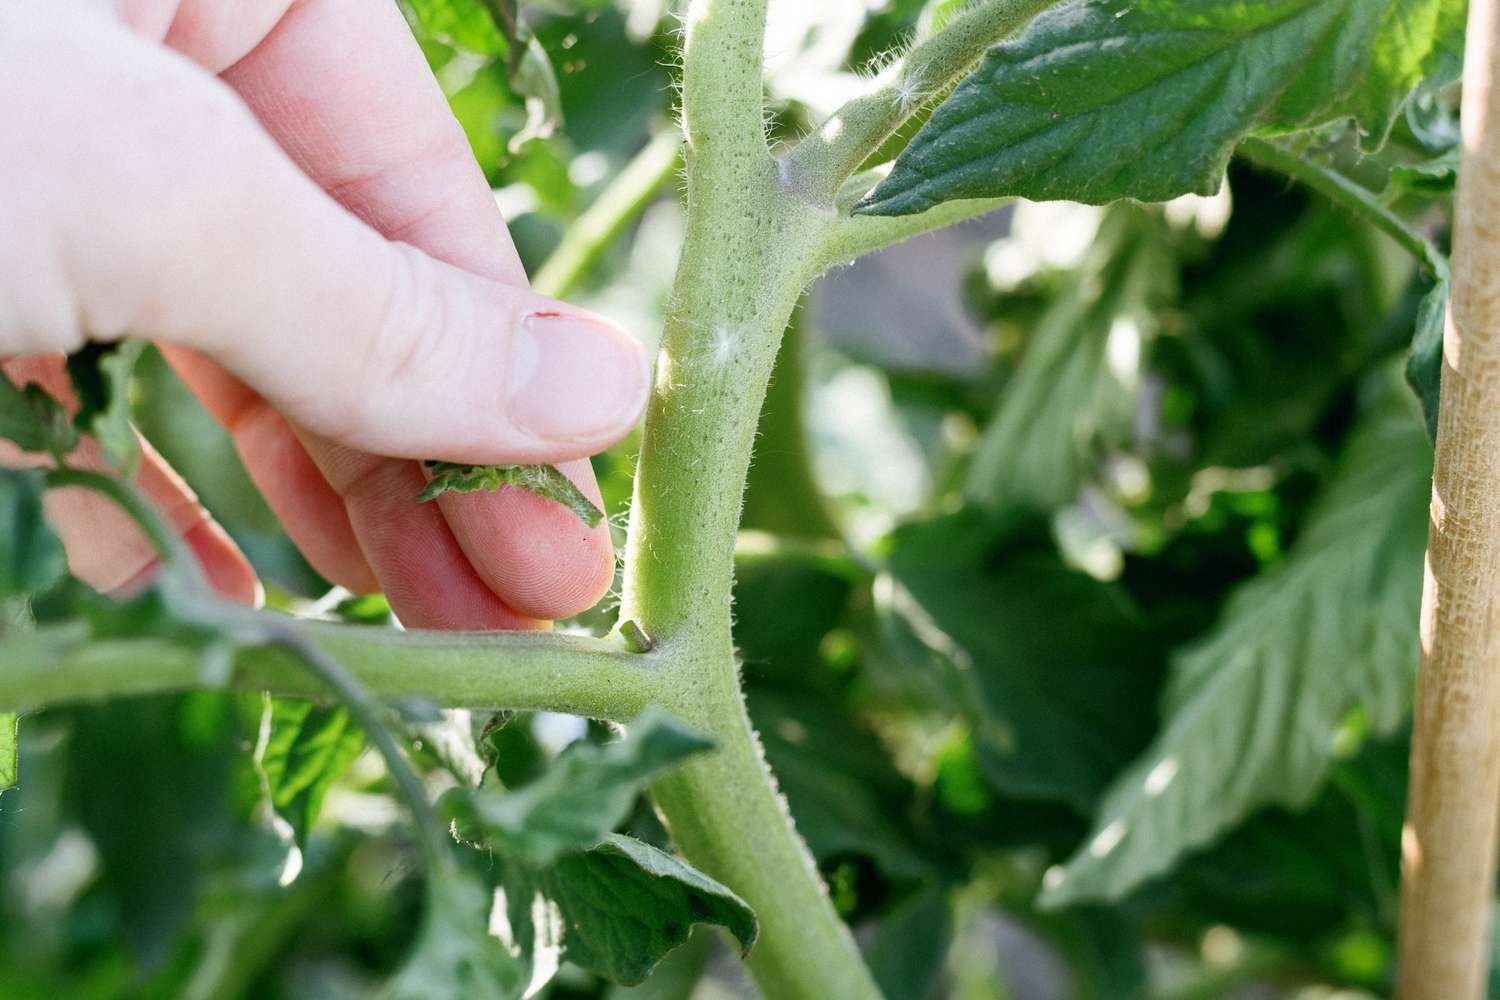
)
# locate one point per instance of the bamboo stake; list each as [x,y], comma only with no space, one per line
[1448,843]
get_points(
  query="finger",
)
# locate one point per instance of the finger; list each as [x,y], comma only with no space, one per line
[538,555]
[308,508]
[343,87]
[413,177]
[413,556]
[426,576]
[105,548]
[176,216]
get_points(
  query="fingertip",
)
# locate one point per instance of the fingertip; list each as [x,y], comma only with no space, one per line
[538,556]
[577,382]
[228,571]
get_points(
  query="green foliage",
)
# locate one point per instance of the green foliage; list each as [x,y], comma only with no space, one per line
[1054,666]
[1173,85]
[31,556]
[466,24]
[33,420]
[300,751]
[624,904]
[455,954]
[1064,404]
[494,28]
[1253,711]
[1096,634]
[8,769]
[568,885]
[101,380]
[543,480]
[583,796]
[1435,176]
[907,957]
[1424,365]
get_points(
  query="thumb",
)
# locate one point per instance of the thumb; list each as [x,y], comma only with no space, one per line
[150,201]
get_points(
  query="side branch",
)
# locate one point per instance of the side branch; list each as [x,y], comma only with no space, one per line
[820,163]
[626,197]
[1348,195]
[519,670]
[850,237]
[1448,843]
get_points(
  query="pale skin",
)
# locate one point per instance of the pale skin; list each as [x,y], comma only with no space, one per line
[276,193]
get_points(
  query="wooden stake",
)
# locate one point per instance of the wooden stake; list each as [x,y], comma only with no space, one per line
[1448,843]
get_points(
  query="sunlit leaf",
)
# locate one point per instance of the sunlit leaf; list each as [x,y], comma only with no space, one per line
[465,24]
[1252,710]
[1066,402]
[8,769]
[582,797]
[624,904]
[1145,99]
[300,750]
[455,954]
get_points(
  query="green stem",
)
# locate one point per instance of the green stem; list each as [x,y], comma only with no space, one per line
[727,817]
[748,252]
[851,237]
[819,164]
[60,664]
[626,197]
[1343,192]
[186,591]
[370,714]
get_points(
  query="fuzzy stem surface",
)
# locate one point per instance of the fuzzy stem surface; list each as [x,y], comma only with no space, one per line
[62,664]
[748,252]
[820,163]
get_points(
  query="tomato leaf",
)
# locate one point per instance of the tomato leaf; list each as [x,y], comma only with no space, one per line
[31,556]
[543,480]
[1437,175]
[624,904]
[1424,365]
[1065,403]
[1146,99]
[33,420]
[8,768]
[495,28]
[301,749]
[1054,667]
[583,796]
[455,955]
[464,24]
[101,378]
[1252,710]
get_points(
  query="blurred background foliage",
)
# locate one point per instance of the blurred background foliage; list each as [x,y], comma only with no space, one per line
[1077,595]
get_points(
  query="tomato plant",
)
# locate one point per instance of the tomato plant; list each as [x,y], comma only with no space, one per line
[1109,633]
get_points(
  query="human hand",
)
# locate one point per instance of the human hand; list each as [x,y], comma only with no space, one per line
[277,194]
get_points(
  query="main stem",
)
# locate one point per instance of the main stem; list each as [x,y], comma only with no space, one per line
[1448,844]
[748,252]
